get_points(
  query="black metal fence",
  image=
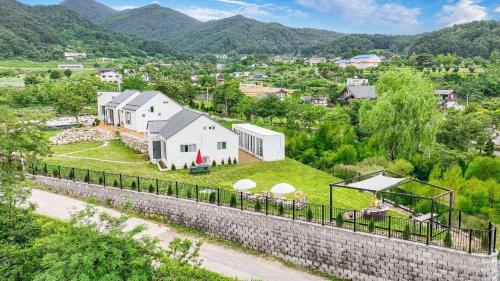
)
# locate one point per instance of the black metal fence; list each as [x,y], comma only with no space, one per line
[479,240]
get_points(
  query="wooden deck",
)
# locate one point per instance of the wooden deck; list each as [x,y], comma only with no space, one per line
[245,157]
[113,129]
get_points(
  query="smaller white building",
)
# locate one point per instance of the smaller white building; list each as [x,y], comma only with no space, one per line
[315,60]
[109,75]
[263,143]
[356,82]
[102,99]
[70,66]
[74,56]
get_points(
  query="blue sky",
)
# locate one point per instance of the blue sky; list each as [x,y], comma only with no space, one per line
[365,16]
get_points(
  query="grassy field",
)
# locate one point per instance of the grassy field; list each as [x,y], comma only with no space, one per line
[42,65]
[11,82]
[117,158]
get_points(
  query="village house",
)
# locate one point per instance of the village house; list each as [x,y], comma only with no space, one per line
[178,140]
[356,82]
[262,143]
[361,61]
[357,92]
[70,66]
[259,75]
[449,99]
[315,100]
[74,56]
[129,72]
[259,91]
[132,109]
[315,60]
[109,75]
[219,78]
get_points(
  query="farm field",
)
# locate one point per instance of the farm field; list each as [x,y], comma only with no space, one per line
[42,65]
[115,158]
[17,82]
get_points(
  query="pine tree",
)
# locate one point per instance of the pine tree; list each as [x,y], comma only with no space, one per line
[214,163]
[211,198]
[340,219]
[115,183]
[151,188]
[371,226]
[309,215]
[447,240]
[281,209]
[173,167]
[169,190]
[257,206]
[407,232]
[185,166]
[229,161]
[489,148]
[232,202]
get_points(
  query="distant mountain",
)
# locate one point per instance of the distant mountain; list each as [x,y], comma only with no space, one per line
[152,21]
[478,38]
[46,32]
[245,35]
[90,9]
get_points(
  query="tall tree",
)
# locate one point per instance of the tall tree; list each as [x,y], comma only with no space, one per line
[226,96]
[405,118]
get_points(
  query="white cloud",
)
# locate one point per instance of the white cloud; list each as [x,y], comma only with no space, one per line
[461,12]
[497,10]
[126,7]
[367,11]
[265,11]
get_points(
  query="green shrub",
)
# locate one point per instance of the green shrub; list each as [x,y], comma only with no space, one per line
[232,202]
[448,240]
[214,163]
[173,168]
[211,198]
[222,162]
[281,209]
[340,219]
[87,179]
[101,181]
[151,189]
[71,174]
[257,207]
[407,232]
[108,201]
[235,162]
[309,215]
[229,162]
[115,183]
[193,164]
[55,173]
[188,194]
[371,226]
[45,170]
[185,166]
[169,190]
[133,186]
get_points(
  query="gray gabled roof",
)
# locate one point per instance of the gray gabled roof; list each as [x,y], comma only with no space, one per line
[120,98]
[155,126]
[444,92]
[362,92]
[178,121]
[140,100]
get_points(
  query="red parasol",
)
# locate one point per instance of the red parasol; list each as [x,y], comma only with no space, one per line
[198,158]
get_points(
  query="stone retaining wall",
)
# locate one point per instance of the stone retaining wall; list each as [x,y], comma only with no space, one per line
[353,255]
[138,144]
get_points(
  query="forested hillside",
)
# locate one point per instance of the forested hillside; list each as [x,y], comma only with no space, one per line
[94,11]
[46,32]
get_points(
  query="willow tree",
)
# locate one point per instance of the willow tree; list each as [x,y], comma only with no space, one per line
[405,118]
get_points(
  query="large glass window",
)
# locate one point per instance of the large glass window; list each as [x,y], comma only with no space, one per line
[188,147]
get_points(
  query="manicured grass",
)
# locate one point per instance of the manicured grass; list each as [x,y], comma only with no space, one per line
[314,183]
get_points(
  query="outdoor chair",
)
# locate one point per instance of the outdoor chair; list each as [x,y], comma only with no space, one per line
[375,213]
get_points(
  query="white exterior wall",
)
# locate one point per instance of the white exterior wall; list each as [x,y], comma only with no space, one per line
[110,77]
[205,140]
[151,138]
[164,108]
[273,146]
[118,111]
[102,99]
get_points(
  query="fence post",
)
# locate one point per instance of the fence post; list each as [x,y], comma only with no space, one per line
[494,239]
[490,237]
[218,196]
[427,235]
[241,201]
[121,183]
[176,189]
[459,219]
[88,176]
[157,189]
[59,171]
[354,228]
[197,195]
[389,234]
[45,169]
[293,209]
[104,178]
[73,173]
[267,204]
[138,185]
[322,214]
[470,240]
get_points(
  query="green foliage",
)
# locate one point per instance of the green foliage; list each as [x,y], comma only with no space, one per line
[484,168]
[405,118]
[447,241]
[214,163]
[371,226]
[115,183]
[229,162]
[400,166]
[193,164]
[309,215]
[235,162]
[281,209]
[67,73]
[407,232]
[222,162]
[339,220]
[169,190]
[151,189]
[185,166]
[188,194]
[101,181]
[257,206]
[172,167]
[134,82]
[133,185]
[212,197]
[227,96]
[55,74]
[185,252]
[87,178]
[232,201]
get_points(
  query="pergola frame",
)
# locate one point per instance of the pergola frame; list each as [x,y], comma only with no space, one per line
[345,184]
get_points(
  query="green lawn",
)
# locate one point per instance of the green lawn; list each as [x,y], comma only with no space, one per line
[312,182]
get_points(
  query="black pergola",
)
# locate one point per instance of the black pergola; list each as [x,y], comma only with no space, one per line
[381,181]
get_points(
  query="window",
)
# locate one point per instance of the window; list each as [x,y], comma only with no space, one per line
[128,118]
[143,115]
[188,147]
[221,145]
[152,109]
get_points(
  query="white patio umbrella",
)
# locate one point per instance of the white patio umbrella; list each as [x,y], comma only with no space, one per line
[244,184]
[282,188]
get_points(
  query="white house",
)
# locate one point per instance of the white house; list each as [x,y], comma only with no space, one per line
[148,106]
[109,75]
[70,66]
[263,143]
[356,82]
[113,109]
[102,99]
[315,60]
[74,56]
[178,139]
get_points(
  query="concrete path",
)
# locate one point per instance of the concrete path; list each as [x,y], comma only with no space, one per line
[216,258]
